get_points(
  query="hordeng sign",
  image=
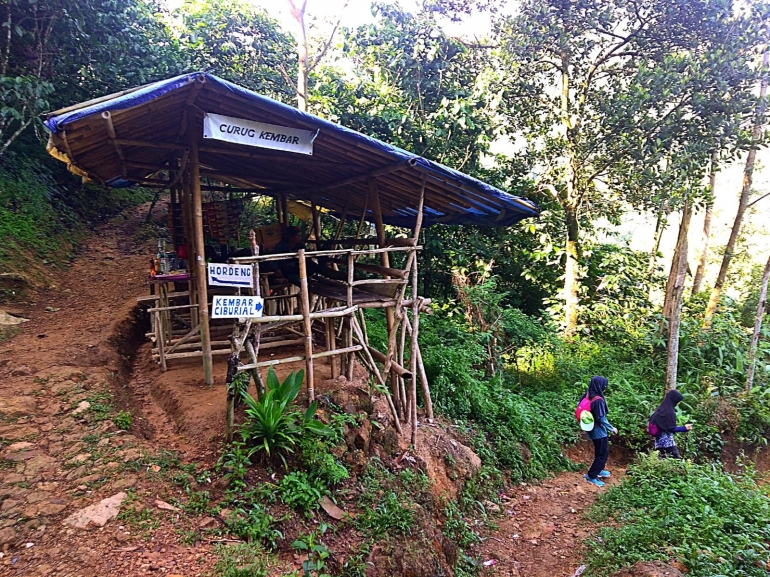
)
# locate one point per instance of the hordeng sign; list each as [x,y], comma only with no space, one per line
[241,131]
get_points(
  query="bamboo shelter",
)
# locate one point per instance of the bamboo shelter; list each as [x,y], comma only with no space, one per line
[196,134]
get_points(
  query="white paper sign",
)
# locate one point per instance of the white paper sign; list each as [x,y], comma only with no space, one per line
[250,133]
[234,307]
[240,275]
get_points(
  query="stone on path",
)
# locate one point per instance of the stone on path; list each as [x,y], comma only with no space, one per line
[15,407]
[97,514]
[165,506]
[82,407]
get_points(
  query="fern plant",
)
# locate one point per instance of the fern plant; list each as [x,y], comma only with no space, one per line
[272,426]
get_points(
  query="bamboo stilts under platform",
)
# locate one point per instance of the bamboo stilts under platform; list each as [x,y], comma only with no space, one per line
[307,323]
[423,376]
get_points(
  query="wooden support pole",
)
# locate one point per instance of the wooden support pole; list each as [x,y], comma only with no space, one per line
[415,314]
[200,257]
[308,325]
[366,352]
[316,223]
[159,341]
[423,376]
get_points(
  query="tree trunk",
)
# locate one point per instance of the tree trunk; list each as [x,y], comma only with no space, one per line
[697,281]
[660,227]
[757,328]
[748,174]
[298,13]
[672,308]
[571,273]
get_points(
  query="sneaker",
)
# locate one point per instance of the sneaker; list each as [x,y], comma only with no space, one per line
[596,482]
[605,474]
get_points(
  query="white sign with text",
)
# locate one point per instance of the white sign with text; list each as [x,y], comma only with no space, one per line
[239,275]
[235,307]
[260,134]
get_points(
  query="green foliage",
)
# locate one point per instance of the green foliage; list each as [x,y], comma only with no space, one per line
[383,503]
[240,560]
[123,420]
[316,552]
[251,521]
[300,491]
[236,459]
[714,523]
[457,528]
[317,458]
[271,425]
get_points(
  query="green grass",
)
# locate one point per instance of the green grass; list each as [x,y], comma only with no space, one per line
[712,522]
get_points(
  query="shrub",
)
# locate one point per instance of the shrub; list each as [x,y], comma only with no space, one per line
[271,425]
[300,491]
[714,523]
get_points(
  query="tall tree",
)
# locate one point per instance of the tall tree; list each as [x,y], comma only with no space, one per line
[235,40]
[743,202]
[84,48]
[757,327]
[305,62]
[703,256]
[602,92]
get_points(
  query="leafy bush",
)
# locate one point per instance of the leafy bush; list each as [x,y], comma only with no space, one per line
[252,522]
[300,491]
[714,523]
[271,425]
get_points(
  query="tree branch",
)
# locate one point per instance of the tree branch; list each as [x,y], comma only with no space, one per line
[755,201]
[321,54]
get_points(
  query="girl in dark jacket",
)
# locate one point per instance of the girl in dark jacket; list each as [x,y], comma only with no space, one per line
[599,434]
[665,419]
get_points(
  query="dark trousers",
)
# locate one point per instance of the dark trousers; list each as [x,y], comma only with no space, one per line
[601,453]
[669,452]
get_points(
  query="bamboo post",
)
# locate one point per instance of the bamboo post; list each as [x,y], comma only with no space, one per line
[390,314]
[252,346]
[316,223]
[347,319]
[401,347]
[331,344]
[159,341]
[423,376]
[189,238]
[416,313]
[232,370]
[200,258]
[308,325]
[380,379]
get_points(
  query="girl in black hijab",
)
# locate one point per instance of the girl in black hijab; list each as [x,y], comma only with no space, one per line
[665,419]
[602,428]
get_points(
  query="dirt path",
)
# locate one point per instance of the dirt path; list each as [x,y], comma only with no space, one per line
[543,526]
[55,459]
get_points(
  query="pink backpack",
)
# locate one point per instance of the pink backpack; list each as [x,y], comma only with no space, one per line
[652,429]
[583,413]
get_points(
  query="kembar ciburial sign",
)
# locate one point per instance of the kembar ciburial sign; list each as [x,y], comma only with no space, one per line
[250,133]
[238,275]
[235,307]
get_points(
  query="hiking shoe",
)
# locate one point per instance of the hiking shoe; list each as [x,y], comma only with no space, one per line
[596,482]
[605,474]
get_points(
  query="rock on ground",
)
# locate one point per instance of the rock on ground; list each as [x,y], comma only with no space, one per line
[97,514]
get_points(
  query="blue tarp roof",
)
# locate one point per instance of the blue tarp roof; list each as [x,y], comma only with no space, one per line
[154,112]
